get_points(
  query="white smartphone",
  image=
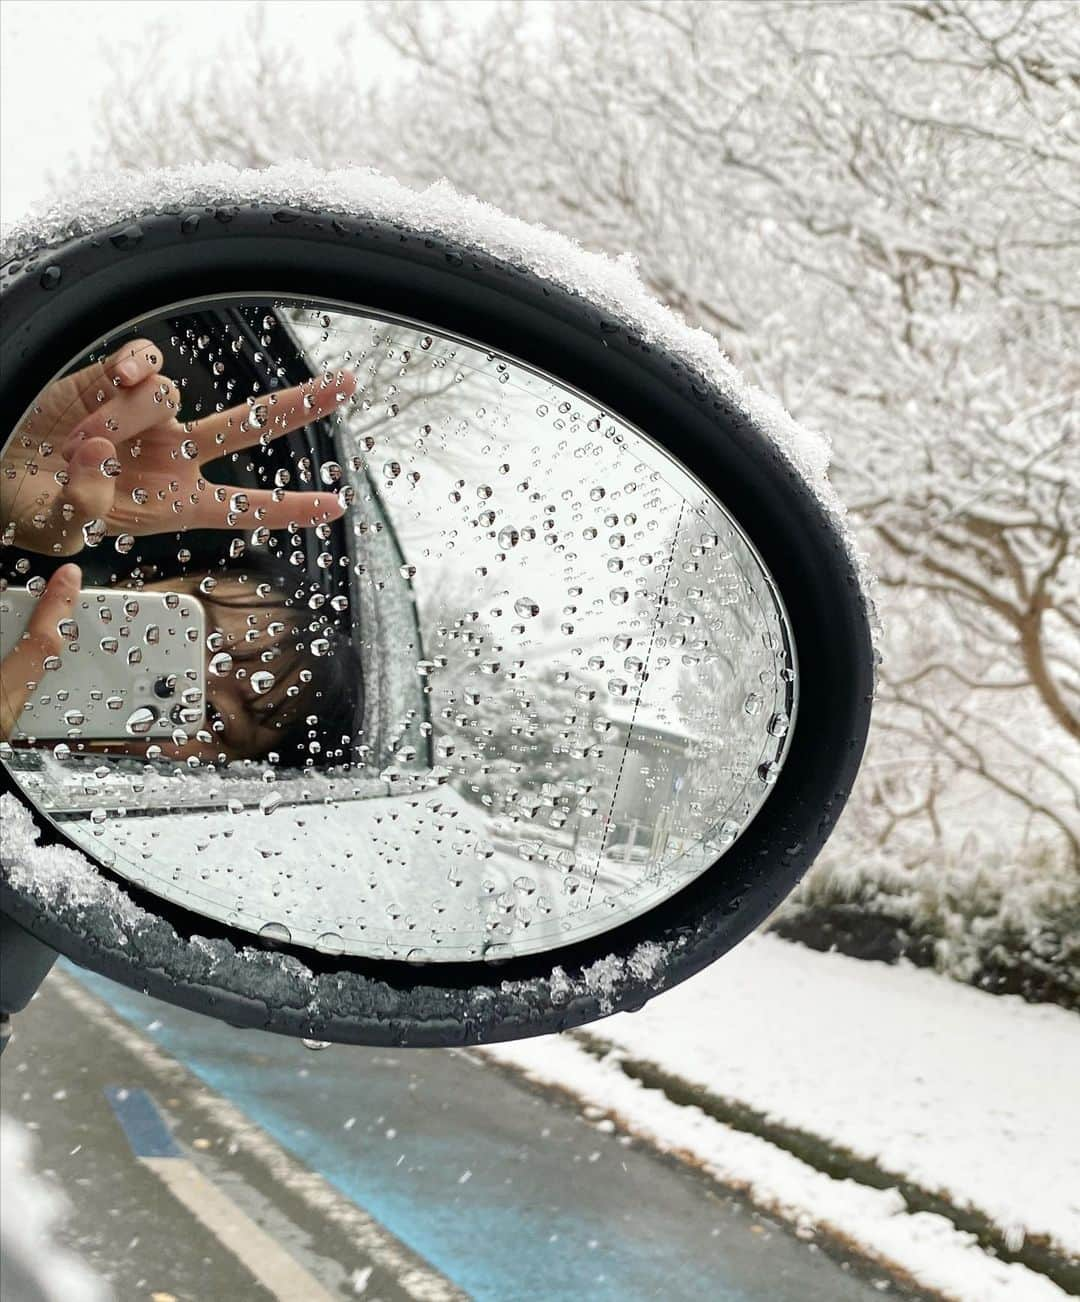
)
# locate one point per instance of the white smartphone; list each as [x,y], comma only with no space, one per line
[133,666]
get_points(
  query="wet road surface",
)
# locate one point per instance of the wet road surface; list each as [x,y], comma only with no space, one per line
[385,1175]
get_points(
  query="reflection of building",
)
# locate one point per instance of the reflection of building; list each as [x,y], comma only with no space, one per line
[653,773]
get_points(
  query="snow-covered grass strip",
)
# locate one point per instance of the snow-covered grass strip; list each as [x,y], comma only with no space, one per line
[924,1247]
[966,1094]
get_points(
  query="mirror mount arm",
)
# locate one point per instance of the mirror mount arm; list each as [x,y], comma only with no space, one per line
[25,962]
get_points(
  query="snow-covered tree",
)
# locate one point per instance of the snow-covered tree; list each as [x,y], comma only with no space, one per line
[876,207]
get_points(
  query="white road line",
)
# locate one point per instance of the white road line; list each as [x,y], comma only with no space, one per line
[278,1272]
[370,1239]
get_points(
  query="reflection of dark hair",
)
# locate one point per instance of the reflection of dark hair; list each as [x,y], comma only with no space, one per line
[334,694]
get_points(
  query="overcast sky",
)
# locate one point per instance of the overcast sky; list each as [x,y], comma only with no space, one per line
[56,57]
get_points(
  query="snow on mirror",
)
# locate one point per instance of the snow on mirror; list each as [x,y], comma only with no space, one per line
[385,644]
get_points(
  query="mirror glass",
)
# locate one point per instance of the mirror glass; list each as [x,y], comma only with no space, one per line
[384,644]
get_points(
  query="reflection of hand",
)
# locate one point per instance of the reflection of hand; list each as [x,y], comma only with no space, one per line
[22,668]
[105,452]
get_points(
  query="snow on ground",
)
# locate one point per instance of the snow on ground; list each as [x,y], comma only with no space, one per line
[34,1264]
[926,1247]
[966,1094]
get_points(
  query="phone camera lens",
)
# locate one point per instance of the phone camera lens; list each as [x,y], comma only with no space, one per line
[165,686]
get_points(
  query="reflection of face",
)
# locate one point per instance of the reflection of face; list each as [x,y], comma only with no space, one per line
[258,631]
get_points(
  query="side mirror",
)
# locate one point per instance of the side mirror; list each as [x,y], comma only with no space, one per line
[460,650]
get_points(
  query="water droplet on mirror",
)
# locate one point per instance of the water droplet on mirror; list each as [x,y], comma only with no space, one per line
[330,473]
[220,664]
[754,703]
[317,1045]
[618,596]
[526,608]
[93,532]
[276,931]
[261,681]
[140,721]
[727,831]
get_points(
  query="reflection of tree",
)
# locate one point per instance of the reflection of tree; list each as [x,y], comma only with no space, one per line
[894,190]
[412,386]
[518,748]
[509,728]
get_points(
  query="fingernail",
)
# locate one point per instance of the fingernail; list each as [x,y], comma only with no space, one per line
[128,370]
[68,450]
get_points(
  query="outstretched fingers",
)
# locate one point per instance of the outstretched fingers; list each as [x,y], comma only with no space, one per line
[225,507]
[268,416]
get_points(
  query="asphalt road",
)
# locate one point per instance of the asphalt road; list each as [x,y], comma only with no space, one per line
[282,1172]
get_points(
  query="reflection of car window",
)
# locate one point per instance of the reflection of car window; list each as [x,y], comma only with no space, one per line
[395,722]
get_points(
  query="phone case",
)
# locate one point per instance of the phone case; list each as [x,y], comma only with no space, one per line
[133,666]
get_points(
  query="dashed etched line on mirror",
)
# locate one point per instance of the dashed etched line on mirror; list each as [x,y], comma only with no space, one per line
[662,597]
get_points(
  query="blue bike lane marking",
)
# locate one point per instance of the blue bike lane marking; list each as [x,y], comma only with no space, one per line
[497,1216]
